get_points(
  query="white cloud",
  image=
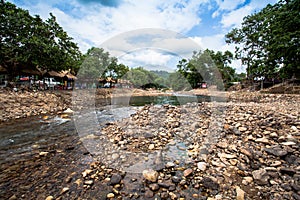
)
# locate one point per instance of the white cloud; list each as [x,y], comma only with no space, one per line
[235,17]
[98,23]
[227,5]
[92,24]
[146,57]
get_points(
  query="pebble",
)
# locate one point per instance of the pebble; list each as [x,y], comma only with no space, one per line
[43,153]
[187,172]
[150,175]
[151,147]
[88,182]
[110,195]
[170,164]
[240,194]
[201,166]
[115,179]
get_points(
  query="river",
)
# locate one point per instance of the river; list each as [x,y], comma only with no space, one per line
[38,156]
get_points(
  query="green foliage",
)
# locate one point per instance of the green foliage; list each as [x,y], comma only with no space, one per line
[143,78]
[268,41]
[27,42]
[140,76]
[97,63]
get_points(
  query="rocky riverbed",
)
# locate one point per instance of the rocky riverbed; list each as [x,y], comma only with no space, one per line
[251,151]
[246,148]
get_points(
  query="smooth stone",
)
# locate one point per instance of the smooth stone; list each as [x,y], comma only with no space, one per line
[151,147]
[240,194]
[288,171]
[49,198]
[68,111]
[64,190]
[242,129]
[89,182]
[187,172]
[170,164]
[288,143]
[43,153]
[201,166]
[115,179]
[150,175]
[209,183]
[110,195]
[173,196]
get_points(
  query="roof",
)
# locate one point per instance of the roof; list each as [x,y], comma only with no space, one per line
[2,69]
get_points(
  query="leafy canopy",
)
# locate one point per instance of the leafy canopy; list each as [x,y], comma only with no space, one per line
[28,41]
[268,41]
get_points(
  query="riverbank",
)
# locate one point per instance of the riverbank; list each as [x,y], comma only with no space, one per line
[22,104]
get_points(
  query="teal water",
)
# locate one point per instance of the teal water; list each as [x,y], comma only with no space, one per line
[160,100]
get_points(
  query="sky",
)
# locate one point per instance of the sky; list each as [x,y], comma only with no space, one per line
[155,34]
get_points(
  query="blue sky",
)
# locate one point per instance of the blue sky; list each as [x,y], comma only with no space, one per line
[94,22]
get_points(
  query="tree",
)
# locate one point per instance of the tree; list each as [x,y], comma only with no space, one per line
[95,64]
[27,42]
[222,61]
[178,82]
[141,77]
[268,41]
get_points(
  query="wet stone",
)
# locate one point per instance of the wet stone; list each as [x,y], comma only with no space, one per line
[115,179]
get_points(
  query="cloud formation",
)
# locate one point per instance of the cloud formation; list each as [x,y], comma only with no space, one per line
[92,22]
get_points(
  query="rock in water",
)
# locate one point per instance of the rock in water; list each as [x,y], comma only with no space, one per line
[150,175]
[115,179]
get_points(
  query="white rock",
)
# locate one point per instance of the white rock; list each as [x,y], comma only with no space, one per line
[201,166]
[294,128]
[151,147]
[68,111]
[43,153]
[170,164]
[288,143]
